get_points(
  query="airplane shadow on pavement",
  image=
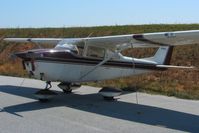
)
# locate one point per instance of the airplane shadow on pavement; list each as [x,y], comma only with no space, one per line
[95,104]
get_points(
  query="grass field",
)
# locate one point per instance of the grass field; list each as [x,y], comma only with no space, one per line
[179,83]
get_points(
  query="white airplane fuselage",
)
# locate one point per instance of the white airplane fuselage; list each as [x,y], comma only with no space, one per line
[65,66]
[73,73]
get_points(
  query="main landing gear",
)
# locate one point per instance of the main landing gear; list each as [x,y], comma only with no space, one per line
[68,87]
[45,94]
[109,93]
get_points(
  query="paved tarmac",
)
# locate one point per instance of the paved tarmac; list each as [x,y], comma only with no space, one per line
[85,111]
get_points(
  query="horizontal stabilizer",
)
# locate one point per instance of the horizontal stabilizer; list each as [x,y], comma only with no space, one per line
[174,67]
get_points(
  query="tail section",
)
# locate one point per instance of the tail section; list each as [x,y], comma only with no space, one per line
[163,55]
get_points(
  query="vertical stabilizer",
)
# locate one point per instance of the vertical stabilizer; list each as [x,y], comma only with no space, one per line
[163,55]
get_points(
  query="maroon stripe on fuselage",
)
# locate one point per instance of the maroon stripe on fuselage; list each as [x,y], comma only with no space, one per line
[108,64]
[68,57]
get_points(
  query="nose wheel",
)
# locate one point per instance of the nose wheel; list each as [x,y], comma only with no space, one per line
[45,94]
[66,87]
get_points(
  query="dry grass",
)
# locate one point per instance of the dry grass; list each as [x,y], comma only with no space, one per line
[179,83]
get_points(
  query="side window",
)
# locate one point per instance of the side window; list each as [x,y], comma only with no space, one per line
[95,52]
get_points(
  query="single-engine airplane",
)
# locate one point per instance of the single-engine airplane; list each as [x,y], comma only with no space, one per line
[76,60]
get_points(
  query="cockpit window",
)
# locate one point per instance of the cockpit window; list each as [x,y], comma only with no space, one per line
[95,52]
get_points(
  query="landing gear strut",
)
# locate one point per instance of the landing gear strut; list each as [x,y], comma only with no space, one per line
[48,85]
[45,94]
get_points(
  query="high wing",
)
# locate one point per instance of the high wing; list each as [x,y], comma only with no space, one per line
[148,39]
[124,41]
[141,40]
[169,38]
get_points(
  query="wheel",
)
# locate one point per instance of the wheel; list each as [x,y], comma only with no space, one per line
[67,91]
[65,87]
[45,95]
[109,98]
[109,93]
[43,100]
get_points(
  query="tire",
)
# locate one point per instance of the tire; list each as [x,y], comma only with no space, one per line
[43,100]
[67,91]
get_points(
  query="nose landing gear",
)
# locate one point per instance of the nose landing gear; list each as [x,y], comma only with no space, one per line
[45,94]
